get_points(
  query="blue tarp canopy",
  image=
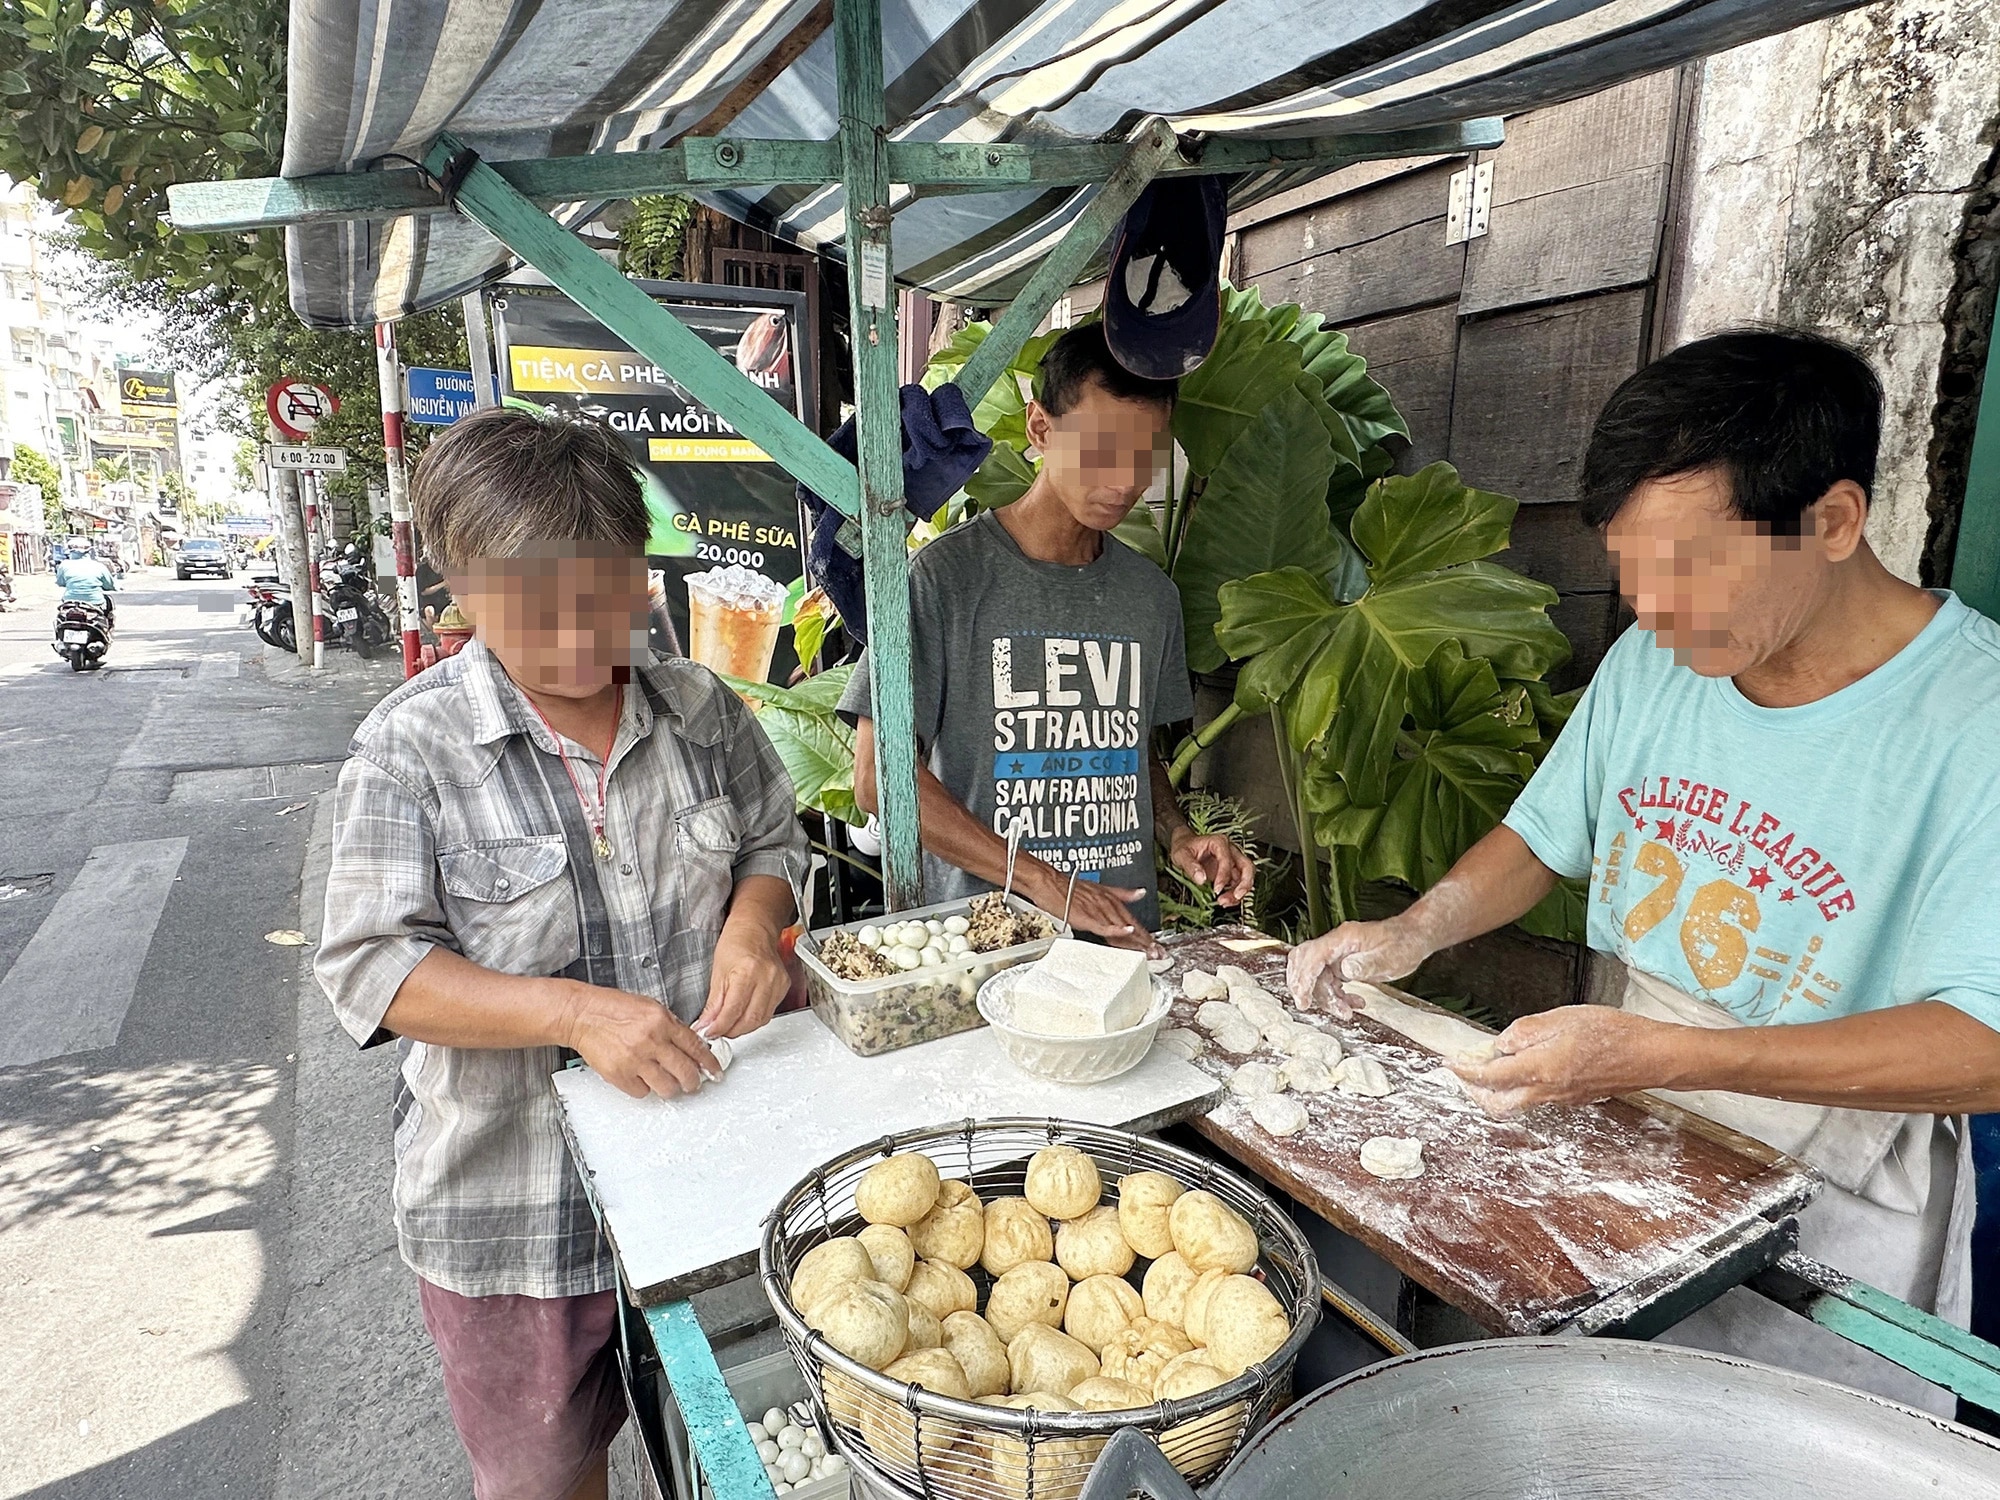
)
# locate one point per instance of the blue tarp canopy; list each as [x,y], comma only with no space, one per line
[374,80]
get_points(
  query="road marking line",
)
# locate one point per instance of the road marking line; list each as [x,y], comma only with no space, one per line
[72,985]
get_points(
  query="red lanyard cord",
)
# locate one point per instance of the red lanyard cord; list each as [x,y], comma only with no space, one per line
[601,845]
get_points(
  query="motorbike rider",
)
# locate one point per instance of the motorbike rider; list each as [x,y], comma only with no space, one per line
[86,580]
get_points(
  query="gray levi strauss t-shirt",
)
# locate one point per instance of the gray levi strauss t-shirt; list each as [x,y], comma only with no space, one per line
[1037,688]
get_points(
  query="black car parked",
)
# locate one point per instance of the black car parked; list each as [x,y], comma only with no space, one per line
[202,555]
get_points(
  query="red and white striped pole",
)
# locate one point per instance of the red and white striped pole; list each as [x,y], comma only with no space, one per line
[389,377]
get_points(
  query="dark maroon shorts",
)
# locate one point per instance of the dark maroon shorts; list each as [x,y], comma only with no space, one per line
[533,1386]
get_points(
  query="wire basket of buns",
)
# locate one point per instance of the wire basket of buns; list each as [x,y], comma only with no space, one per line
[978,1307]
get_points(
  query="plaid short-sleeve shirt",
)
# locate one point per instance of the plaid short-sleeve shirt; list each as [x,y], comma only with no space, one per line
[457,827]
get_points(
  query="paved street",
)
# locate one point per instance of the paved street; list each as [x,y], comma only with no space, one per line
[199,1294]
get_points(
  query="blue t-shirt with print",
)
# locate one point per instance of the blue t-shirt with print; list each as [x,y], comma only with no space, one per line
[1789,864]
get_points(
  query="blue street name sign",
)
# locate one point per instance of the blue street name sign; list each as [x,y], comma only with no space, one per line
[439,397]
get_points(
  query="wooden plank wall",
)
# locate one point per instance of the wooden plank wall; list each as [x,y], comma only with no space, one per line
[1499,351]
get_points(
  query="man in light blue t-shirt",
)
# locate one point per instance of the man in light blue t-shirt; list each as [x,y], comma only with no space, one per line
[1781,788]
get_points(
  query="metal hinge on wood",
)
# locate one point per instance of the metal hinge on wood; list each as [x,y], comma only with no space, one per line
[1469,205]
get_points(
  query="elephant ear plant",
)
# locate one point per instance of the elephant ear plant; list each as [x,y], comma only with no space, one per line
[1408,704]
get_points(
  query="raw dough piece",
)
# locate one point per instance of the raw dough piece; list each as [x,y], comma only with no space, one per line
[1238,1037]
[1254,1079]
[1310,1041]
[1258,1008]
[1442,1033]
[1279,1032]
[1184,1043]
[1364,1076]
[1249,945]
[1236,978]
[1199,984]
[1216,1014]
[1278,1114]
[1392,1156]
[1158,965]
[1307,1075]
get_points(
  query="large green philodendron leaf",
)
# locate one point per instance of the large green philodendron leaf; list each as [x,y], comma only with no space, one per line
[1366,408]
[1264,507]
[1139,532]
[1392,630]
[1456,773]
[1245,371]
[1275,623]
[1002,479]
[812,740]
[1418,523]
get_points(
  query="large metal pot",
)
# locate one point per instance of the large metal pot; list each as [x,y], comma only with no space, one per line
[1580,1419]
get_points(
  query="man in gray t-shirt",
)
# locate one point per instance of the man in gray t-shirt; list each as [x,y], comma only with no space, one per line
[1044,652]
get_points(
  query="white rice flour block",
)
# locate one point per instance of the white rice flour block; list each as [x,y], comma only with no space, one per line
[1081,989]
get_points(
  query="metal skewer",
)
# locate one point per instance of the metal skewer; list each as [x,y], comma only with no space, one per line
[1068,896]
[1014,831]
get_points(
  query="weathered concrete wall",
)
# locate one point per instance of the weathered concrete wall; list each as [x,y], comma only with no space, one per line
[1827,188]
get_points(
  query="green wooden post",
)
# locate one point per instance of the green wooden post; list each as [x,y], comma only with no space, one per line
[1153,146]
[1975,565]
[488,199]
[716,1428]
[885,558]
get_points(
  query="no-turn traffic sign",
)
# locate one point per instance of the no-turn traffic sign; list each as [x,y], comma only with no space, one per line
[296,407]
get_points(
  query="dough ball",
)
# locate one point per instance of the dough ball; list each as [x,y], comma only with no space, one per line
[1186,1375]
[897,1191]
[925,1330]
[1165,1287]
[1033,1292]
[943,1288]
[1182,1042]
[1142,1350]
[1211,1235]
[1245,1324]
[1093,1245]
[1197,1303]
[828,1265]
[1197,1446]
[1105,1394]
[1279,1033]
[1254,1078]
[954,1231]
[1100,1308]
[864,1320]
[890,1249]
[1259,1009]
[890,1428]
[1144,1199]
[1237,1037]
[1213,1015]
[1063,1182]
[1199,984]
[1392,1156]
[980,1354]
[1278,1114]
[1236,977]
[1016,1232]
[1310,1041]
[934,1370]
[1056,1470]
[1306,1075]
[1364,1076]
[1041,1358]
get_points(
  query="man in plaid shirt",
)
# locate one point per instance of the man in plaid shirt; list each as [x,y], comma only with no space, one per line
[546,846]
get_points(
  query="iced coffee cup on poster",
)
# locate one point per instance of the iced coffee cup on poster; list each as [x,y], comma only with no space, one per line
[733,618]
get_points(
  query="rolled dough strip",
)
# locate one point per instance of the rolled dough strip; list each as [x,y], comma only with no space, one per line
[1392,1156]
[1450,1037]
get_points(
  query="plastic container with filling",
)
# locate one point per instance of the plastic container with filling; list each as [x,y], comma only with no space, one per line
[872,1016]
[776,1380]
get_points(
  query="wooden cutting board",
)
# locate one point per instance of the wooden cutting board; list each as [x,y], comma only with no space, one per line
[1522,1224]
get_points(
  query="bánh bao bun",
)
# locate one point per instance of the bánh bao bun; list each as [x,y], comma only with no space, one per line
[954,1231]
[864,1320]
[890,1249]
[1167,1282]
[1093,1246]
[1210,1235]
[1144,1199]
[828,1265]
[1041,1358]
[899,1190]
[1100,1308]
[981,1356]
[1033,1292]
[1142,1350]
[1244,1324]
[1063,1182]
[943,1288]
[1016,1232]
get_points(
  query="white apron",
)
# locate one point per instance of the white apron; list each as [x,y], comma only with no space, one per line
[1896,1212]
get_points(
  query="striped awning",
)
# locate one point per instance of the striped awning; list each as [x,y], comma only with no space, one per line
[373,80]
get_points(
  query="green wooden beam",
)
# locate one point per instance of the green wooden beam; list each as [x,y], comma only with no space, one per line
[1975,564]
[1152,147]
[716,162]
[1868,1316]
[885,558]
[488,199]
[716,1428]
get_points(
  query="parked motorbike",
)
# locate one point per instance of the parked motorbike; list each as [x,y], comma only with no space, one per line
[354,615]
[83,634]
[271,613]
[6,590]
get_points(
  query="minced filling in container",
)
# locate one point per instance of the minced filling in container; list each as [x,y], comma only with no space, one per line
[878,1015]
